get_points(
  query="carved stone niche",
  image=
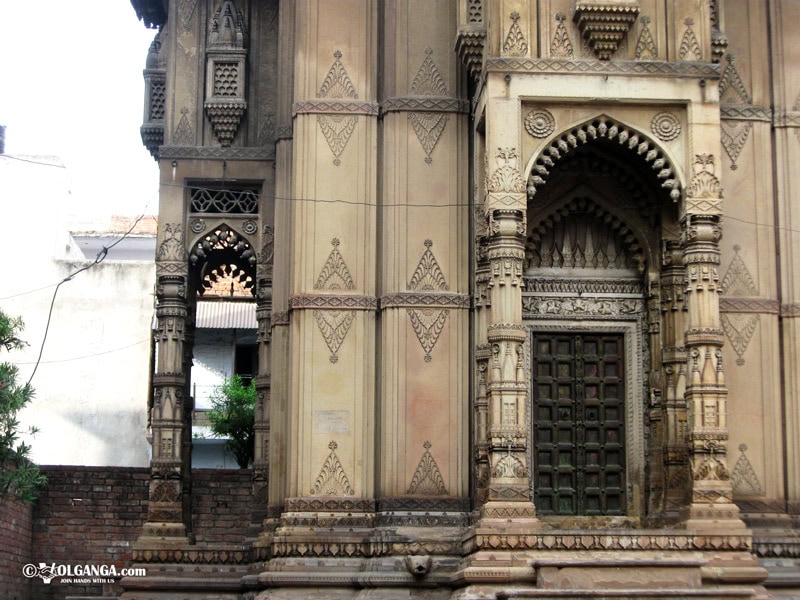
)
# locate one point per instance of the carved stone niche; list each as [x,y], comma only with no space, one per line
[155,91]
[605,23]
[225,72]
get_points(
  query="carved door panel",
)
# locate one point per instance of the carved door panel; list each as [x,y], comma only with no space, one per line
[578,424]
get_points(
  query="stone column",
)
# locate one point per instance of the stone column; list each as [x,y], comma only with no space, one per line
[711,502]
[673,384]
[424,273]
[169,484]
[262,379]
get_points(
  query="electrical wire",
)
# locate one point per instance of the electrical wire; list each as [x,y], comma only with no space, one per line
[101,256]
[34,162]
[61,360]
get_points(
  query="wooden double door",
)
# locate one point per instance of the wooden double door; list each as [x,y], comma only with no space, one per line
[578,412]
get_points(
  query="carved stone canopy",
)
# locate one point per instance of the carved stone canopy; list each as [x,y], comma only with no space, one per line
[605,23]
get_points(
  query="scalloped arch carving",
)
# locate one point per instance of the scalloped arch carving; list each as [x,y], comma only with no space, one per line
[603,127]
[223,255]
[600,240]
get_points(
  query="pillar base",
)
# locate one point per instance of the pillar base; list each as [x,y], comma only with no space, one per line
[718,517]
[160,535]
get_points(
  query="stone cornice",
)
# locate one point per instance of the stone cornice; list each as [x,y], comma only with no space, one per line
[745,112]
[332,302]
[748,305]
[425,300]
[425,104]
[230,153]
[597,67]
[325,107]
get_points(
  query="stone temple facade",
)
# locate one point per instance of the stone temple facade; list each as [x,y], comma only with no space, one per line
[526,287]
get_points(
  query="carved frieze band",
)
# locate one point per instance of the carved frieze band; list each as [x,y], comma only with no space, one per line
[789,119]
[280,318]
[749,305]
[284,133]
[626,67]
[790,310]
[424,300]
[427,104]
[230,153]
[745,113]
[332,302]
[325,107]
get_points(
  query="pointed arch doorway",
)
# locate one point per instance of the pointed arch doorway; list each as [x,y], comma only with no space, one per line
[594,232]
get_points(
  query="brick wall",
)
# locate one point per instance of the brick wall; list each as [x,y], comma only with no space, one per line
[15,548]
[222,505]
[87,515]
[92,515]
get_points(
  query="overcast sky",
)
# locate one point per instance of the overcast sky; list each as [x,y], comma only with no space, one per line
[72,87]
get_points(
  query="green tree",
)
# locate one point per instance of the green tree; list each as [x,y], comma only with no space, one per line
[233,415]
[18,475]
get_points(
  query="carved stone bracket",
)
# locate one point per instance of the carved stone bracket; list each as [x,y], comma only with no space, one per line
[605,24]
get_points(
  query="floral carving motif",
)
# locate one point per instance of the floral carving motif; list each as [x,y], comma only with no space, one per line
[334,274]
[506,177]
[561,46]
[690,47]
[734,137]
[427,479]
[428,125]
[515,44]
[665,126]
[705,186]
[540,123]
[332,480]
[337,129]
[184,134]
[646,46]
[738,281]
[739,329]
[171,250]
[731,86]
[744,479]
[428,323]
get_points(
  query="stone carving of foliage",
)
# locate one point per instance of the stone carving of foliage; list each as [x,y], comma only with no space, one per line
[184,133]
[428,323]
[427,479]
[506,178]
[332,480]
[690,47]
[646,46]
[731,86]
[704,182]
[334,274]
[337,129]
[739,329]
[561,46]
[428,126]
[744,479]
[734,137]
[738,281]
[515,44]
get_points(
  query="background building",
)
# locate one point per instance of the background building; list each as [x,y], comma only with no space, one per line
[525,298]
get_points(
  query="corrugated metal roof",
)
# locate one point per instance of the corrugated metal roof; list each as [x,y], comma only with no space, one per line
[226,315]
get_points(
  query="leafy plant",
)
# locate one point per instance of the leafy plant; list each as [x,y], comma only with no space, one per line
[233,415]
[18,475]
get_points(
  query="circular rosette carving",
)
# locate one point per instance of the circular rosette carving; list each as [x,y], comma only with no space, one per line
[665,126]
[198,225]
[249,227]
[540,123]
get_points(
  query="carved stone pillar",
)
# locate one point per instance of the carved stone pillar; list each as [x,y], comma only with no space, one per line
[711,502]
[165,517]
[673,385]
[262,422]
[507,431]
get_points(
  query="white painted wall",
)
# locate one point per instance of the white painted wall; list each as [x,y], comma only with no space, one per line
[92,383]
